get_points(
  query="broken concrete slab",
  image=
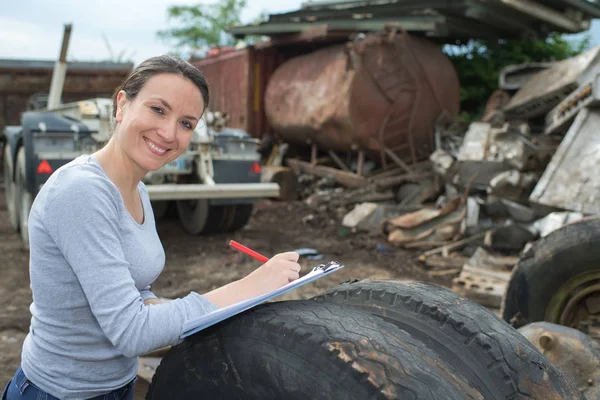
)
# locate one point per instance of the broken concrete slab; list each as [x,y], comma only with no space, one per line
[547,88]
[571,180]
[514,77]
[358,214]
[487,151]
[484,277]
[560,117]
[553,221]
[513,185]
[485,291]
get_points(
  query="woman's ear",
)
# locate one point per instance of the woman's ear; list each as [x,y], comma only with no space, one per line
[121,102]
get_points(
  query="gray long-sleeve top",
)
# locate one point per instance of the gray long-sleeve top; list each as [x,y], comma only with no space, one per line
[91,267]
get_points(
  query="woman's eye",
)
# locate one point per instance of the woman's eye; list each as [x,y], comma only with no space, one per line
[186,124]
[157,110]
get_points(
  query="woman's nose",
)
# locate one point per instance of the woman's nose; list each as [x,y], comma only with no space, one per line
[167,132]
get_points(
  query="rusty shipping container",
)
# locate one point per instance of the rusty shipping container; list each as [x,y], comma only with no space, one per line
[382,92]
[237,81]
[22,80]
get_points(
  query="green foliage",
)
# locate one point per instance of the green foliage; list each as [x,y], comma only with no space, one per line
[478,64]
[202,25]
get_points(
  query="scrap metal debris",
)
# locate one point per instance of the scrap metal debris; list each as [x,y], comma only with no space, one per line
[490,188]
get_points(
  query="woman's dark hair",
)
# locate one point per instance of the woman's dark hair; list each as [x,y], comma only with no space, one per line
[137,78]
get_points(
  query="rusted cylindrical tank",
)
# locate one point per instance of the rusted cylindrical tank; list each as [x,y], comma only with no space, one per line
[383,91]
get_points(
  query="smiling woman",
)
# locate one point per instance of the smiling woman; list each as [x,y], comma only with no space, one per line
[95,252]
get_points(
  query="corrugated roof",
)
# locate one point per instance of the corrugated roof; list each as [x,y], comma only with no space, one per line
[45,64]
[445,19]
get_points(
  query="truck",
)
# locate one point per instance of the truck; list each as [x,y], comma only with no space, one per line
[212,185]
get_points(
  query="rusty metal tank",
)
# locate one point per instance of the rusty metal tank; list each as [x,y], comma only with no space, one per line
[384,90]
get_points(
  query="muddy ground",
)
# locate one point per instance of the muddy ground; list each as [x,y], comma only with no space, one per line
[206,262]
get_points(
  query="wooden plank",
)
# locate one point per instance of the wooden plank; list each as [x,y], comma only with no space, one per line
[345,178]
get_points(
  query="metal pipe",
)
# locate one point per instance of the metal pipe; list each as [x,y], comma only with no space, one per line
[546,14]
[60,71]
[217,191]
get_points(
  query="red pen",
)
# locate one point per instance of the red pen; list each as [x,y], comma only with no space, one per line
[248,251]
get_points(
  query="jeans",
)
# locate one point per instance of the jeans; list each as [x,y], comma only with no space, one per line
[21,388]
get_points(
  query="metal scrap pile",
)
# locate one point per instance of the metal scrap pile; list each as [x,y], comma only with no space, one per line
[493,187]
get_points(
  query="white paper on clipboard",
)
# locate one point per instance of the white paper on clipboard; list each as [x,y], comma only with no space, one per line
[197,324]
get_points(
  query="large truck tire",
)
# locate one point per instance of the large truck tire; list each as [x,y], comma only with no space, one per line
[304,350]
[558,279]
[193,215]
[238,216]
[10,193]
[471,340]
[216,219]
[24,198]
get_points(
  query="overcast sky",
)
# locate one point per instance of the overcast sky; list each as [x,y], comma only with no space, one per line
[32,29]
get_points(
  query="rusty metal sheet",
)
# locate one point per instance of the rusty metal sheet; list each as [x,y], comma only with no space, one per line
[228,79]
[547,88]
[383,92]
[571,180]
[237,82]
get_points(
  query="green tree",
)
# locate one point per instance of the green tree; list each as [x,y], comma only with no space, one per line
[478,64]
[203,25]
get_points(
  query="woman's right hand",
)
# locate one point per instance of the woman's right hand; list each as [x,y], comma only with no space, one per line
[280,270]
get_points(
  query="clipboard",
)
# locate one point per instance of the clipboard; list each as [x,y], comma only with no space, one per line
[197,324]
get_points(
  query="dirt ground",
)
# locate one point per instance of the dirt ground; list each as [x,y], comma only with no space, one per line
[207,262]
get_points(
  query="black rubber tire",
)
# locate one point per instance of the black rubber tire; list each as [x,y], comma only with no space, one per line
[547,266]
[237,217]
[471,340]
[216,219]
[303,350]
[193,215]
[24,198]
[10,194]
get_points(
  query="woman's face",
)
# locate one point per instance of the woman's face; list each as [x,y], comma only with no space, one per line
[156,126]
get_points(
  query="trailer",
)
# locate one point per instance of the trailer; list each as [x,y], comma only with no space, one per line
[213,185]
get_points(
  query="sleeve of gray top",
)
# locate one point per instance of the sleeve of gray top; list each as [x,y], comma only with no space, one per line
[146,294]
[87,233]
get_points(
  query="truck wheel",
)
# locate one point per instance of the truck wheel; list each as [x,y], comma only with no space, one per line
[237,217]
[216,219]
[558,279]
[24,198]
[193,215]
[304,350]
[471,340]
[10,194]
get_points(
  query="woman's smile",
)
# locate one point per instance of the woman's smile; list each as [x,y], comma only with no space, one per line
[155,148]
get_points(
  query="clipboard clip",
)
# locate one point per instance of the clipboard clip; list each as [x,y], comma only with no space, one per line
[326,267]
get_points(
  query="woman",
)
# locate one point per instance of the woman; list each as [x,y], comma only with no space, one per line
[94,249]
